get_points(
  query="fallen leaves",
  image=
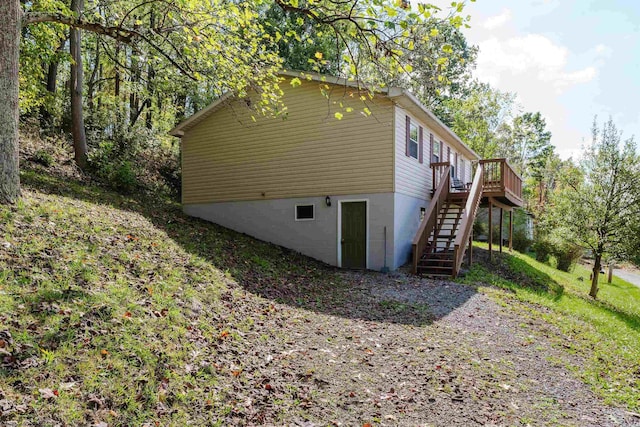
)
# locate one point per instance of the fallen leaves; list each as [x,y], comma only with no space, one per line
[67,386]
[47,393]
[230,346]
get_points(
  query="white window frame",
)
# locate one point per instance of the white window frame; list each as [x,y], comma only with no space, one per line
[295,212]
[414,141]
[435,158]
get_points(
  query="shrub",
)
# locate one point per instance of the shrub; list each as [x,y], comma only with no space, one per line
[111,169]
[43,158]
[123,177]
[172,175]
[520,241]
[567,255]
[479,228]
[543,249]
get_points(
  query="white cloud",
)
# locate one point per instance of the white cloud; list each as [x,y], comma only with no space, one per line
[542,72]
[497,21]
[602,48]
[533,58]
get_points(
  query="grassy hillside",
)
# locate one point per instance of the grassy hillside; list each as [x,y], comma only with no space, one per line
[124,311]
[606,332]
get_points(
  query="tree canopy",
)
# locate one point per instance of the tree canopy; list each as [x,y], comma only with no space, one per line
[161,60]
[597,204]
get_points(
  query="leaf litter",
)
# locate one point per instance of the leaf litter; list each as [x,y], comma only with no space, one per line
[142,316]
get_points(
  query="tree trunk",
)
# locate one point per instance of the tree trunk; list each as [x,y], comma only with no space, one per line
[52,76]
[91,86]
[151,75]
[77,75]
[9,143]
[150,93]
[46,119]
[134,98]
[181,107]
[597,264]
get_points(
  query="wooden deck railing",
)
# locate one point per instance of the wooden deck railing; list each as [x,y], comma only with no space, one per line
[499,177]
[431,216]
[466,221]
[437,170]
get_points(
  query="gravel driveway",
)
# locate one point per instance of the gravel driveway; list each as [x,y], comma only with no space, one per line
[473,363]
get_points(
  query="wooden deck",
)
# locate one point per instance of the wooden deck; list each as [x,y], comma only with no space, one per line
[500,184]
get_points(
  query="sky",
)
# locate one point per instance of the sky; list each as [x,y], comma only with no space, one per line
[568,59]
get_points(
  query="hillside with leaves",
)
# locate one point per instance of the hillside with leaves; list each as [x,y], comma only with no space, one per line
[121,310]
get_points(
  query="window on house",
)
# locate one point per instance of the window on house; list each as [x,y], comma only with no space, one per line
[423,212]
[462,177]
[436,152]
[305,212]
[413,141]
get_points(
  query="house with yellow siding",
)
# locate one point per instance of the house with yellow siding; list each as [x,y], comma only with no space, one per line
[349,192]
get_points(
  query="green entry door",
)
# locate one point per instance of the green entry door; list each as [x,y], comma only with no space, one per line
[354,235]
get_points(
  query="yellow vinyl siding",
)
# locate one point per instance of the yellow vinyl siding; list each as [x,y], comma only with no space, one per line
[229,157]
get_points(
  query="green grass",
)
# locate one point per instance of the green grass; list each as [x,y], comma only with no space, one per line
[95,302]
[604,334]
[125,309]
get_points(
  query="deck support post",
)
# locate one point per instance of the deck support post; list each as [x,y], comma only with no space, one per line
[501,222]
[511,230]
[490,230]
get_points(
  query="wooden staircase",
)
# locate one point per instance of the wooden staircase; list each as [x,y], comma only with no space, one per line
[438,257]
[445,231]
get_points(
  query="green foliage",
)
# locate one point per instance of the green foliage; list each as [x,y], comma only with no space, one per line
[299,38]
[43,158]
[528,144]
[597,204]
[170,169]
[149,64]
[565,252]
[521,242]
[40,46]
[113,170]
[478,117]
[440,67]
[543,249]
[479,228]
[122,177]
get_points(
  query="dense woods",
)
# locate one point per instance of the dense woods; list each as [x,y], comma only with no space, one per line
[112,77]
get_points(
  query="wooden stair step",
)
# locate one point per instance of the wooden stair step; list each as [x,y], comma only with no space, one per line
[435,261]
[437,269]
[444,275]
